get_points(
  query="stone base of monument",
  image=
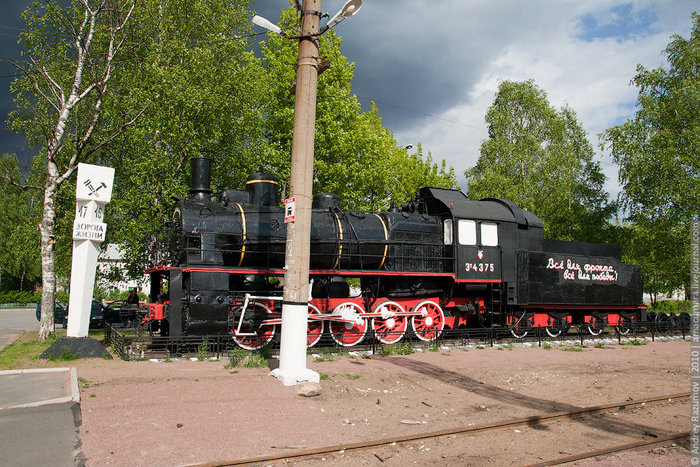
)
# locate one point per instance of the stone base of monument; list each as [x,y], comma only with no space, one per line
[70,348]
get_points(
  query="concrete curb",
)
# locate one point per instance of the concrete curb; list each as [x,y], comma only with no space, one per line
[75,392]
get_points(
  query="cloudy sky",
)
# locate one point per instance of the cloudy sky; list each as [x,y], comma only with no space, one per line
[433,66]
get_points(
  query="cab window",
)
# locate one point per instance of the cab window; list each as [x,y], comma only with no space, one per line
[489,234]
[447,232]
[467,232]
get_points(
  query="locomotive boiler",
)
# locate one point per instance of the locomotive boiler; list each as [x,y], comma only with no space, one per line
[440,261]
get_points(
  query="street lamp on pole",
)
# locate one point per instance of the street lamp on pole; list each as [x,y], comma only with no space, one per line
[295,301]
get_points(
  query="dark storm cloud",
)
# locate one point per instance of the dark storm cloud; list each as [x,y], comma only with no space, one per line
[405,59]
[417,58]
[10,26]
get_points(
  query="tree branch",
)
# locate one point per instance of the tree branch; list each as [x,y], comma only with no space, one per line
[22,186]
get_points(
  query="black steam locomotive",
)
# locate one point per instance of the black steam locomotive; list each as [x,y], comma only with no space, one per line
[441,261]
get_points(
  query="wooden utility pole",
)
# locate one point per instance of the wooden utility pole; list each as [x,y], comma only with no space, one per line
[292,368]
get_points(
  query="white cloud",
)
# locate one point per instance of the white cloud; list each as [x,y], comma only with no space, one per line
[591,76]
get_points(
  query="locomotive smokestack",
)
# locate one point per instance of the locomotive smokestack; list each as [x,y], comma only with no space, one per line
[201,177]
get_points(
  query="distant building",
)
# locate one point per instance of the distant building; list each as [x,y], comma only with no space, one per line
[110,265]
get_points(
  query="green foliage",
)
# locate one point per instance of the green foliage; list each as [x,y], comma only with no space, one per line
[672,307]
[202,91]
[15,296]
[203,350]
[660,248]
[355,157]
[539,158]
[242,358]
[324,358]
[634,342]
[657,150]
[66,356]
[20,212]
[19,354]
[397,349]
[657,153]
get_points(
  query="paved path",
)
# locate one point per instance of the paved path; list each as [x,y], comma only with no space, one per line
[39,409]
[13,322]
[39,418]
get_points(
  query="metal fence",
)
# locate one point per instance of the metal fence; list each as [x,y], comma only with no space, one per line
[133,344]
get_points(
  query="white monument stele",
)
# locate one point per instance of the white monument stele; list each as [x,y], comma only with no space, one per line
[93,192]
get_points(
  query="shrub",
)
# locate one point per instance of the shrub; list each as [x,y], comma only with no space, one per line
[15,296]
[672,306]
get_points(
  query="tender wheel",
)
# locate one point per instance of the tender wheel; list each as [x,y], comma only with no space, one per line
[258,337]
[625,325]
[597,324]
[314,331]
[557,327]
[429,324]
[391,329]
[352,331]
[521,327]
[684,321]
[663,323]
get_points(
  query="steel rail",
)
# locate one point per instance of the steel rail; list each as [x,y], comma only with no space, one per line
[620,447]
[526,421]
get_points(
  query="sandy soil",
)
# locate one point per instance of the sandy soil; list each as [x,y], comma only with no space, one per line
[187,412]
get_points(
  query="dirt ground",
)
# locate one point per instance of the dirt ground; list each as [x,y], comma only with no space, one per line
[188,412]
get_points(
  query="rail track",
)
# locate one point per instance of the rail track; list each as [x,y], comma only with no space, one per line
[470,430]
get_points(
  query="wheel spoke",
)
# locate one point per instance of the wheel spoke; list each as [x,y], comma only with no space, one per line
[391,329]
[261,336]
[314,330]
[351,331]
[597,324]
[521,327]
[429,324]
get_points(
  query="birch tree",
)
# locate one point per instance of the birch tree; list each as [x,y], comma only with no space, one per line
[539,157]
[69,55]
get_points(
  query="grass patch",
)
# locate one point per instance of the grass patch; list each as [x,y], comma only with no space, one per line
[396,349]
[239,357]
[203,350]
[349,376]
[324,358]
[634,342]
[323,376]
[433,348]
[65,356]
[24,351]
[601,345]
[578,348]
[546,346]
[480,347]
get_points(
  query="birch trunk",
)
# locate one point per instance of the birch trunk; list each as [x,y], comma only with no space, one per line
[48,264]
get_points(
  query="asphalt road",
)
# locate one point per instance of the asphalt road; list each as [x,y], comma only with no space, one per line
[38,416]
[15,321]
